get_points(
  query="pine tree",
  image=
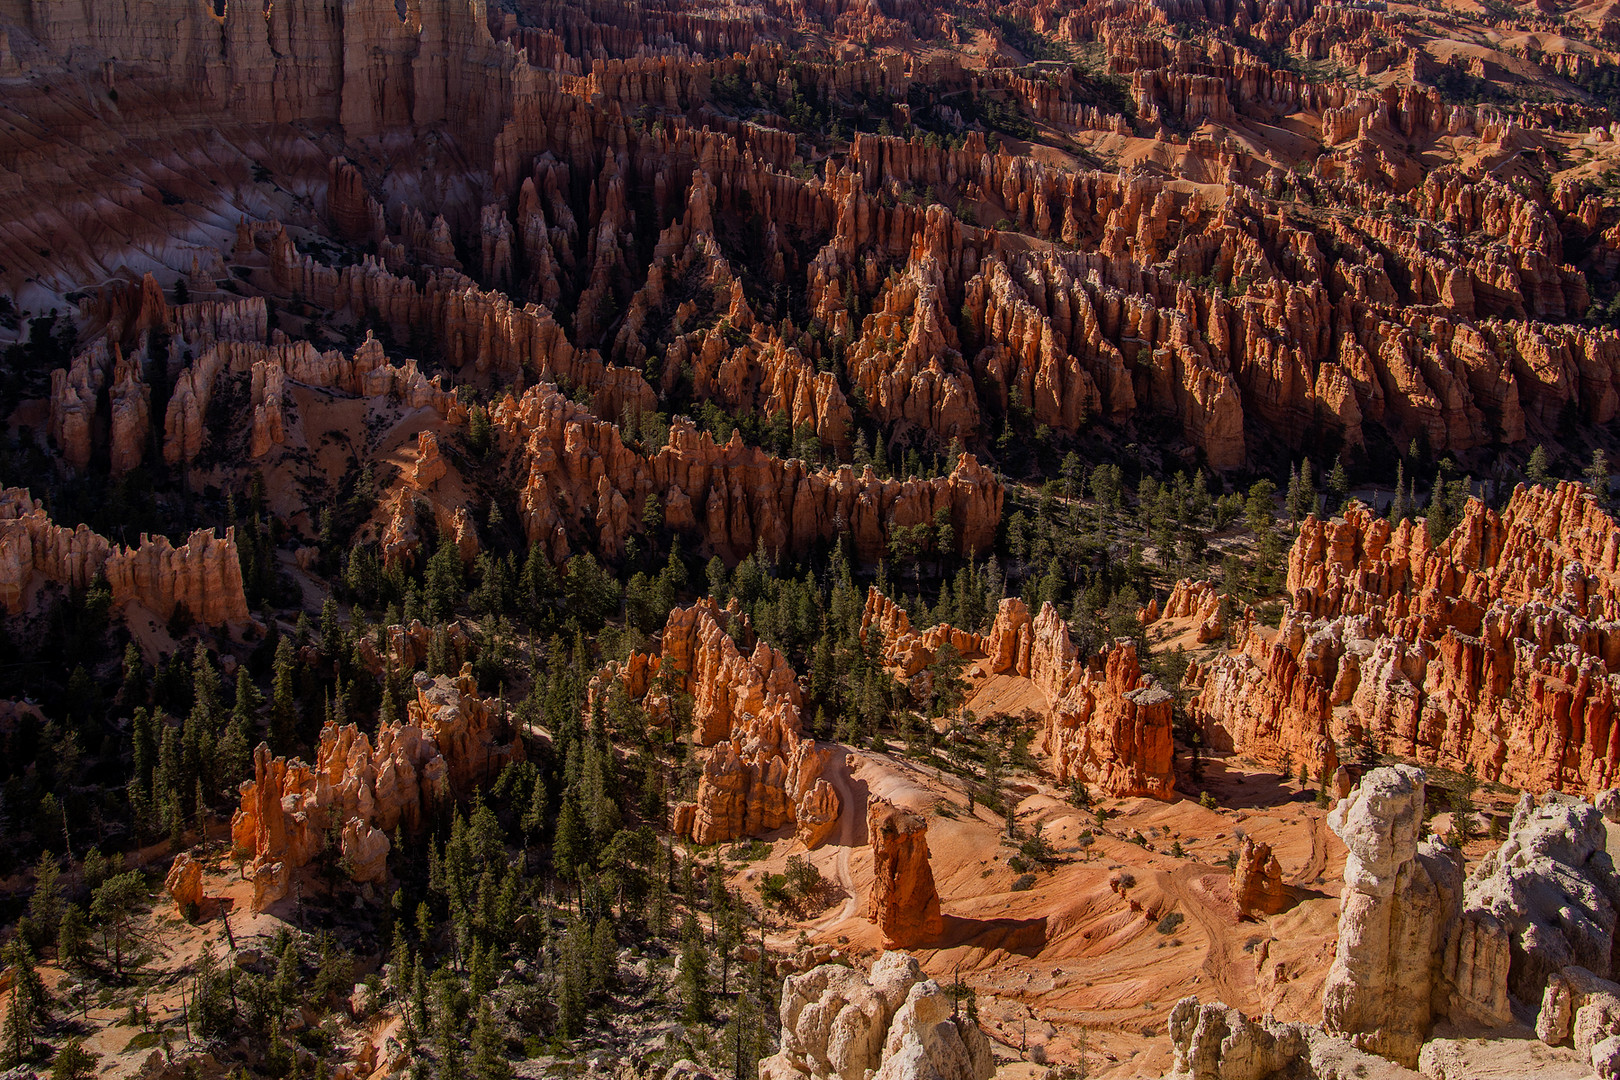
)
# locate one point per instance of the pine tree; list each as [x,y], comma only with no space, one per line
[73,1061]
[1338,486]
[45,906]
[283,701]
[693,984]
[488,1056]
[1535,470]
[568,850]
[73,937]
[28,1010]
[604,956]
[1598,477]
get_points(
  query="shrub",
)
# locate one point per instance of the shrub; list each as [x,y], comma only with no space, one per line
[1024,883]
[1168,924]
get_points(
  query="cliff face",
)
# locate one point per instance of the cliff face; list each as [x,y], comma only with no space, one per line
[203,574]
[450,741]
[1492,650]
[761,771]
[359,65]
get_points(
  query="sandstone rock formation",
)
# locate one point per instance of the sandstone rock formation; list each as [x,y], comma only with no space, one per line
[1553,888]
[894,1024]
[904,902]
[583,481]
[1198,601]
[1215,1042]
[1400,899]
[1107,723]
[183,883]
[1413,946]
[1489,650]
[762,772]
[450,741]
[203,575]
[1257,885]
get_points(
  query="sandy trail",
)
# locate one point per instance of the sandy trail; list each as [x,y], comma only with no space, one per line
[1318,861]
[1231,979]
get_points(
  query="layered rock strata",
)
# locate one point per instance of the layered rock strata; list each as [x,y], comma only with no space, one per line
[1257,884]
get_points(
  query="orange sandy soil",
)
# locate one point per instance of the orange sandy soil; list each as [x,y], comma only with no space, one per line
[1076,967]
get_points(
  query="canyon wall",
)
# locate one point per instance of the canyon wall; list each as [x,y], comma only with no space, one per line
[1494,650]
[203,575]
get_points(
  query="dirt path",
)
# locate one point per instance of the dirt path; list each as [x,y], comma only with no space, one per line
[1231,979]
[851,823]
[851,835]
[1318,861]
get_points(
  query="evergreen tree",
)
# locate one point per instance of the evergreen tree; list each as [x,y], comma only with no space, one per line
[1598,477]
[1535,470]
[45,906]
[73,937]
[73,1061]
[1400,506]
[488,1055]
[1338,486]
[693,982]
[112,906]
[28,1010]
[283,700]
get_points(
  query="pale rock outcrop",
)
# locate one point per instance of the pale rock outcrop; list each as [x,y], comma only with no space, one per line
[1400,900]
[904,902]
[894,1024]
[1553,887]
[1212,1041]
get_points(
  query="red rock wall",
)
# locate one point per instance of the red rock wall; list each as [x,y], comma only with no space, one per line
[1490,650]
[450,741]
[203,574]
